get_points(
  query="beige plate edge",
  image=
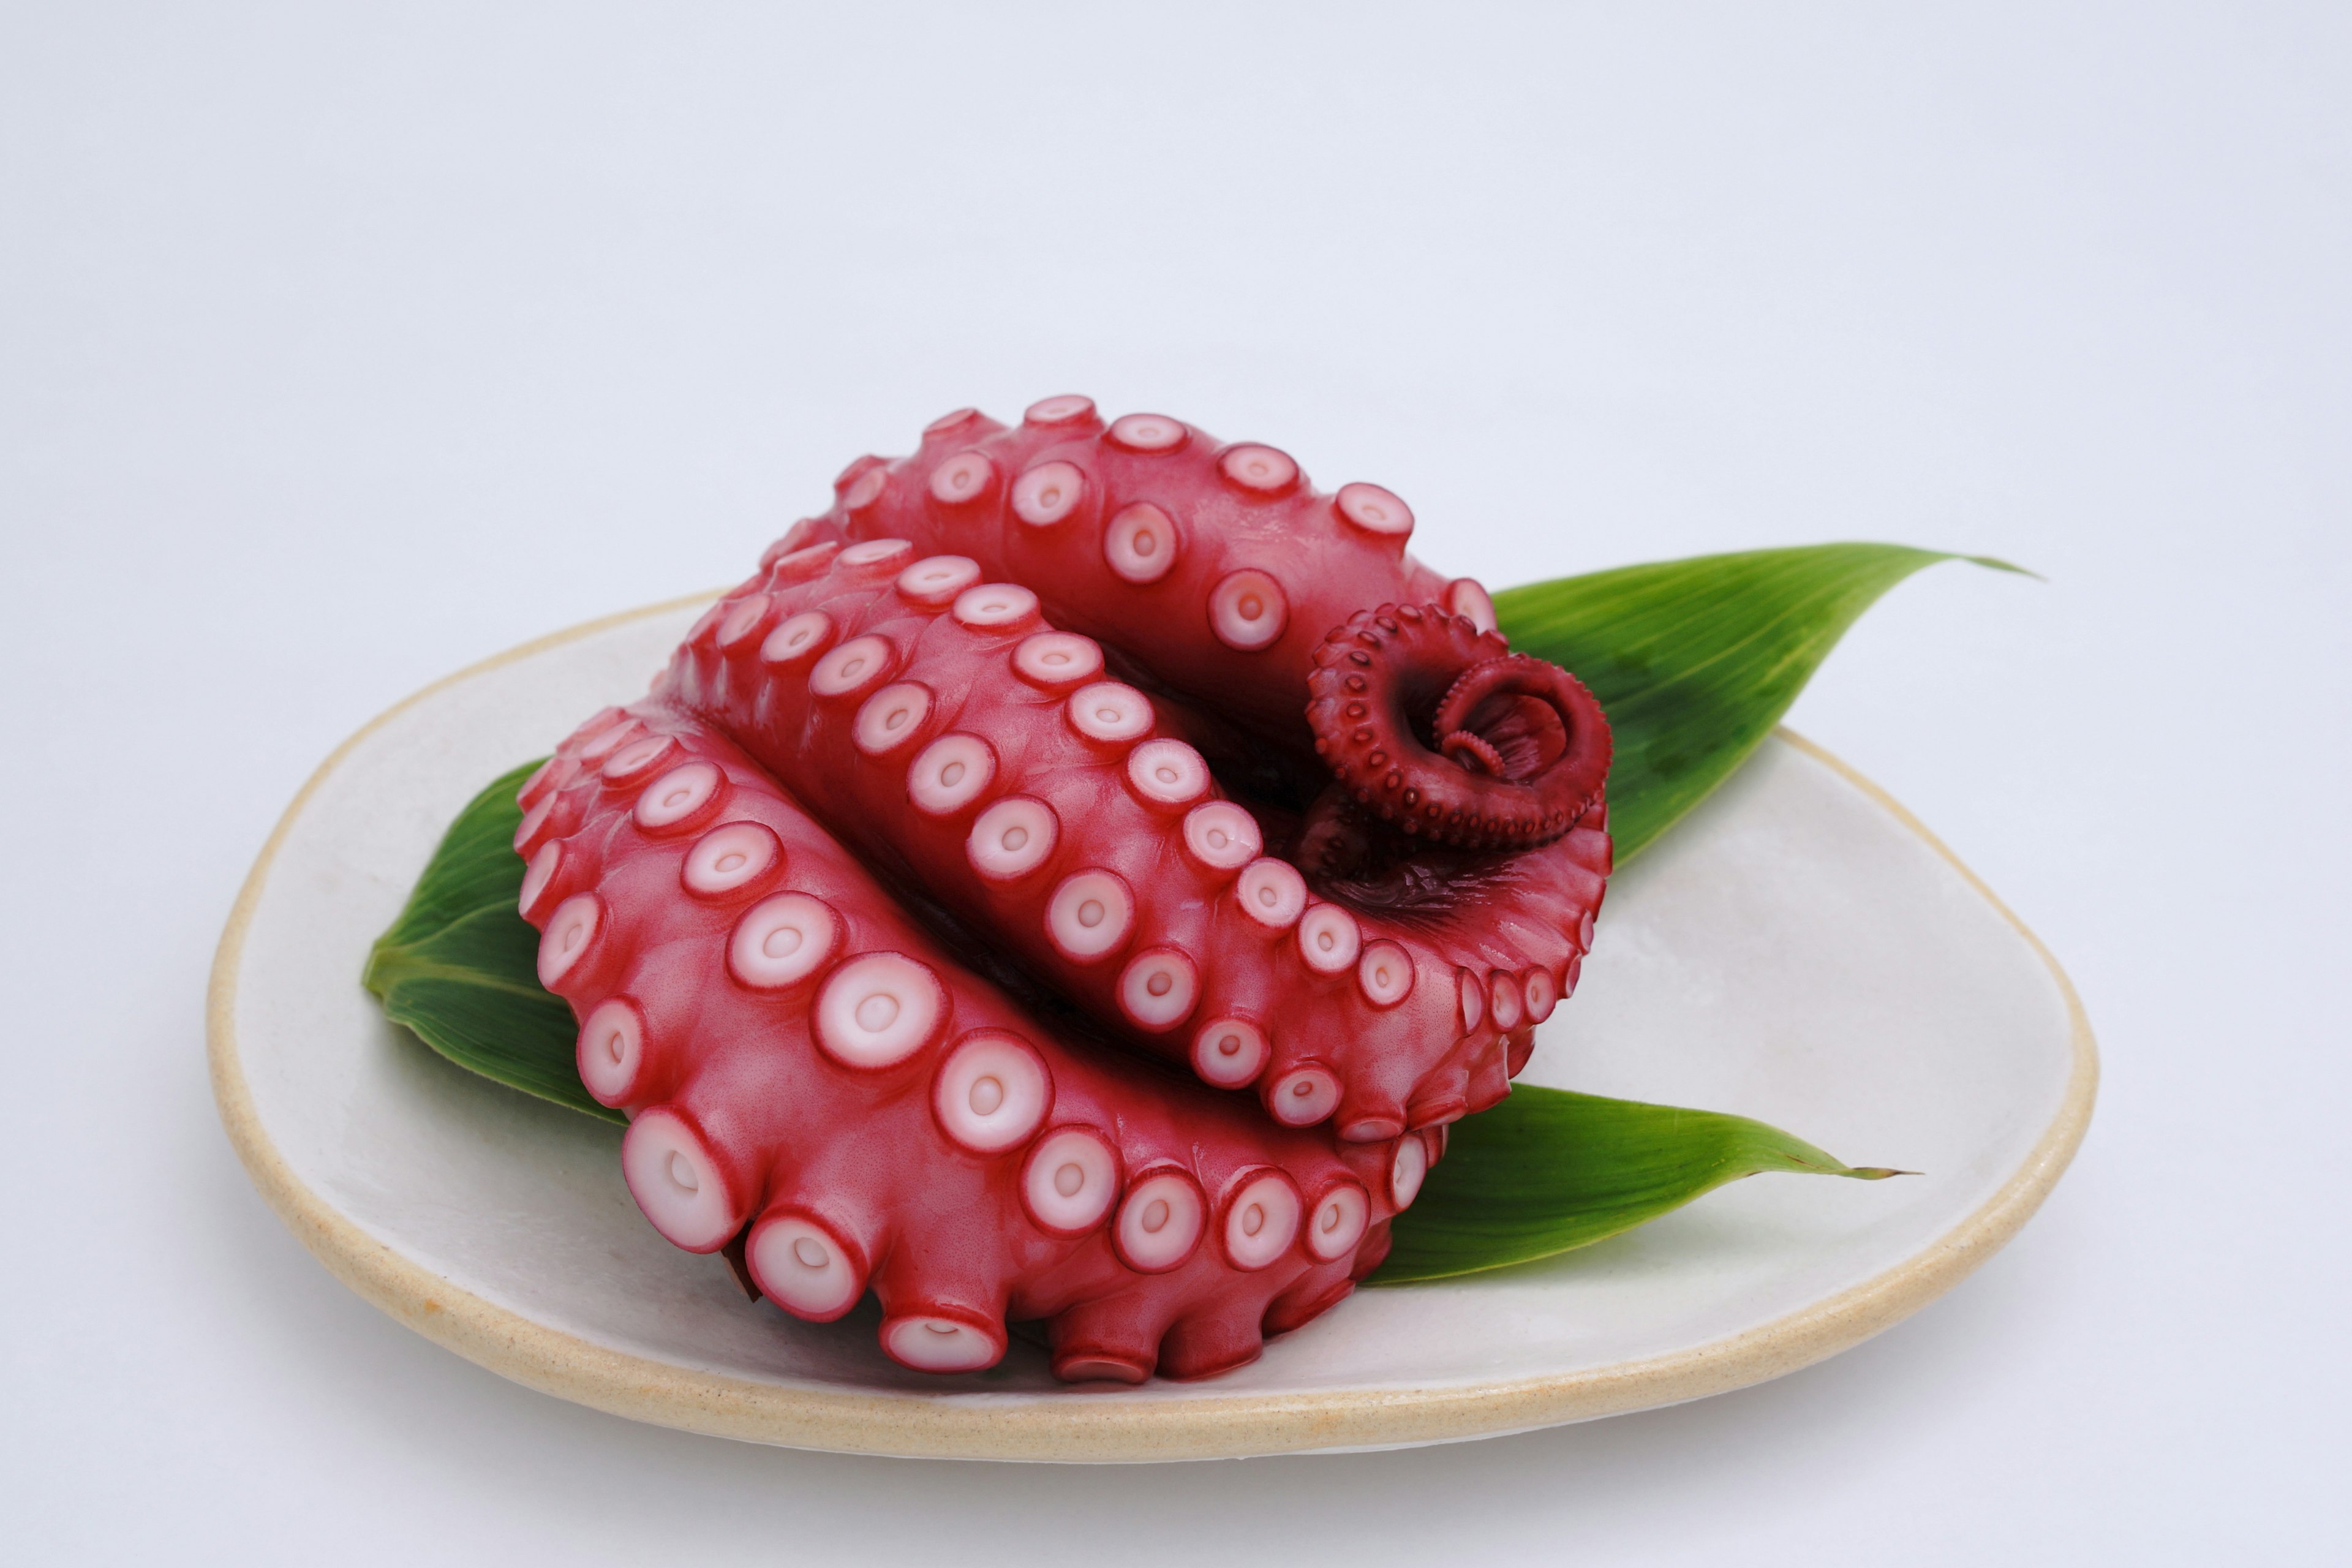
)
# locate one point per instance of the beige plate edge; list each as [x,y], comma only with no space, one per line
[1096,1427]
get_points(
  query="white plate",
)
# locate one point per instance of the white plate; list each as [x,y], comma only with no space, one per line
[1798,950]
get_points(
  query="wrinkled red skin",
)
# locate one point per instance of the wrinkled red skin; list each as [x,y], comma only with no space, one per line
[1441,798]
[1492,931]
[769,1118]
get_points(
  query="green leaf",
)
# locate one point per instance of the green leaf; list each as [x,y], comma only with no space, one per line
[460,966]
[1546,1170]
[1695,660]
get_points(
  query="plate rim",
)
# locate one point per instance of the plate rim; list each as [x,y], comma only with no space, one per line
[1094,1427]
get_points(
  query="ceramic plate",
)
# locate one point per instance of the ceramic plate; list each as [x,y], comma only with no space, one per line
[1798,950]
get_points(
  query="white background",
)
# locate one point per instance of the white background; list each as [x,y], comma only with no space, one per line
[338,350]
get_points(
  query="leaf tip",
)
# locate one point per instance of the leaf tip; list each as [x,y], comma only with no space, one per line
[372,978]
[1995,562]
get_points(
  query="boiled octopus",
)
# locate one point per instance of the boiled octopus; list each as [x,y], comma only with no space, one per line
[1076,880]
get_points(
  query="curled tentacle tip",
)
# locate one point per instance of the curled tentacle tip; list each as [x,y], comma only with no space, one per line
[1473,752]
[1521,747]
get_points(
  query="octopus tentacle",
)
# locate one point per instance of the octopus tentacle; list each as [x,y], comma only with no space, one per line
[807,1067]
[945,730]
[1216,570]
[1213,576]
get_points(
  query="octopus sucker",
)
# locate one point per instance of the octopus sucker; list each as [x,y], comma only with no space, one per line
[1077,878]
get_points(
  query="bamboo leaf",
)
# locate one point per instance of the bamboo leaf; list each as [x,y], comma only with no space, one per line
[460,966]
[1546,1172]
[1695,660]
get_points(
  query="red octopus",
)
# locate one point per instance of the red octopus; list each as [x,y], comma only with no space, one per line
[1046,748]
